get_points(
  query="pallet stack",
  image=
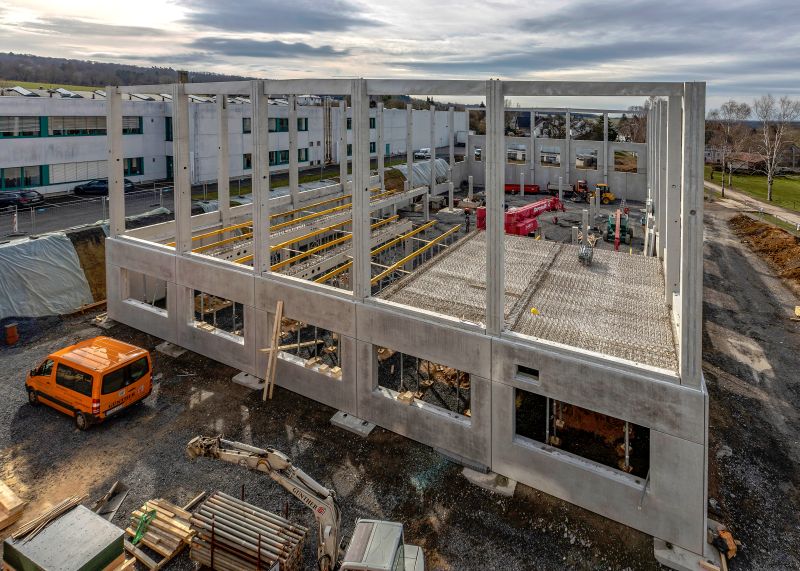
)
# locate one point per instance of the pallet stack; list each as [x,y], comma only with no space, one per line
[166,534]
[233,535]
[11,507]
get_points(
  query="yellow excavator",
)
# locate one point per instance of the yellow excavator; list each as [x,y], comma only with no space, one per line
[606,196]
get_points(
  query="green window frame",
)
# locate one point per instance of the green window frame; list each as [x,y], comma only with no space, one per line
[132,125]
[76,126]
[16,178]
[372,147]
[349,123]
[349,150]
[133,166]
[17,126]
[247,125]
[278,158]
[167,128]
[372,122]
[302,123]
[278,125]
[302,155]
[247,161]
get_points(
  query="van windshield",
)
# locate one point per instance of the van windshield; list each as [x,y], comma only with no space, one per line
[121,378]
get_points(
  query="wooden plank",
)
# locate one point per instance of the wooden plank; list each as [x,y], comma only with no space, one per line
[272,361]
[9,501]
[146,560]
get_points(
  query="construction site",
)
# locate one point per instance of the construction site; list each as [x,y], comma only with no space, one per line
[509,311]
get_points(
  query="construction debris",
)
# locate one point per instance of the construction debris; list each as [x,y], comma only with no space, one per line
[162,527]
[233,535]
[441,374]
[11,506]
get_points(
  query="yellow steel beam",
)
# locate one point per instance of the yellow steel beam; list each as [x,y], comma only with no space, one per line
[413,255]
[333,273]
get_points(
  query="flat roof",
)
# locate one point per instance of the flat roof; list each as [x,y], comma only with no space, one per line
[615,306]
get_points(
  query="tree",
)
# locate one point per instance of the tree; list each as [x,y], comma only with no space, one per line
[775,117]
[729,133]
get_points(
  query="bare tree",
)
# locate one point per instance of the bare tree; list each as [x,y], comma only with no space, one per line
[730,133]
[775,115]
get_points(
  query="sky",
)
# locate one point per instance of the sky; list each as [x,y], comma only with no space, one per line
[741,48]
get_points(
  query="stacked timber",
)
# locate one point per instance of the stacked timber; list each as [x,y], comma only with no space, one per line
[233,535]
[11,507]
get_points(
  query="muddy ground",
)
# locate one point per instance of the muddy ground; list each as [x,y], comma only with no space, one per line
[751,366]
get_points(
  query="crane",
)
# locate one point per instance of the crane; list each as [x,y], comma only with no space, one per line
[376,545]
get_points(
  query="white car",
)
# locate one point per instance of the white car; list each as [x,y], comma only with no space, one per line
[422,154]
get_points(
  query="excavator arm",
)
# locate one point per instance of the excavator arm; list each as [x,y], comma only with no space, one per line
[277,466]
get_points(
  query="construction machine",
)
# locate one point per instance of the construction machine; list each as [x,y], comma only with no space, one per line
[606,196]
[618,229]
[375,546]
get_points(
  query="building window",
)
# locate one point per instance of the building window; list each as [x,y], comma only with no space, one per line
[585,158]
[218,315]
[132,126]
[167,128]
[372,147]
[70,126]
[278,125]
[19,177]
[20,127]
[247,125]
[247,161]
[550,157]
[372,122]
[626,161]
[349,123]
[134,166]
[73,172]
[302,155]
[278,158]
[349,150]
[302,123]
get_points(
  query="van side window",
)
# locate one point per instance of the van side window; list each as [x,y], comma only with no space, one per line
[124,376]
[74,380]
[138,369]
[45,368]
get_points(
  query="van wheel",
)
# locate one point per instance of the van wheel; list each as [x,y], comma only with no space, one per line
[33,399]
[81,421]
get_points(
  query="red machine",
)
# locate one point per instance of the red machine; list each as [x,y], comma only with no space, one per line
[522,220]
[529,189]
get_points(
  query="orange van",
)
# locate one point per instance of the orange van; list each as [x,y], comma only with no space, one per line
[91,380]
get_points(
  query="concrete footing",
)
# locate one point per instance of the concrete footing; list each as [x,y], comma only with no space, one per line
[105,323]
[170,349]
[352,423]
[248,380]
[681,559]
[491,481]
[466,462]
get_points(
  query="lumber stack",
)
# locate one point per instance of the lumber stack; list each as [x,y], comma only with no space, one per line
[233,535]
[11,506]
[166,534]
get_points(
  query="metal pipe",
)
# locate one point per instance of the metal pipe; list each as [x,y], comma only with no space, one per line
[228,535]
[251,510]
[229,522]
[266,520]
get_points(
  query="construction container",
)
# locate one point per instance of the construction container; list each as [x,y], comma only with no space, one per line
[233,535]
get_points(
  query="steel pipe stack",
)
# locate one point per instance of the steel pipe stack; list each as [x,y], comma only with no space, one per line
[233,535]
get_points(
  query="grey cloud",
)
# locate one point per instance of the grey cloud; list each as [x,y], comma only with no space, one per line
[276,16]
[75,27]
[236,47]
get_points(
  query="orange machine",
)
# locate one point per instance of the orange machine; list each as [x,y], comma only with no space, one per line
[91,380]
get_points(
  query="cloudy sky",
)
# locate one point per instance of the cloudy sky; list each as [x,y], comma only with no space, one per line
[742,48]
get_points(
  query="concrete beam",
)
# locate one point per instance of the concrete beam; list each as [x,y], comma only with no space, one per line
[605,148]
[223,162]
[116,169]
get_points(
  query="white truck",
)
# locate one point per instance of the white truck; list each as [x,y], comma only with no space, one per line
[424,153]
[375,546]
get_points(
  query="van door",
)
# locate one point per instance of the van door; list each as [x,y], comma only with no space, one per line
[73,388]
[42,376]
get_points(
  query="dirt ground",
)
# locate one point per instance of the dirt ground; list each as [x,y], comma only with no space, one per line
[780,248]
[751,366]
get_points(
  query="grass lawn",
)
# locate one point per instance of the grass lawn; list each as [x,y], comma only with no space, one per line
[785,189]
[37,85]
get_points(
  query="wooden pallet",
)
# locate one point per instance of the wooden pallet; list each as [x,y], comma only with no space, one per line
[167,534]
[11,507]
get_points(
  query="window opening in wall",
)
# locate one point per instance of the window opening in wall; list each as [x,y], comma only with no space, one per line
[15,126]
[603,439]
[550,157]
[134,166]
[585,158]
[247,161]
[411,378]
[626,161]
[278,124]
[218,315]
[168,128]
[527,373]
[132,126]
[146,290]
[312,347]
[516,154]
[247,124]
[372,122]
[302,123]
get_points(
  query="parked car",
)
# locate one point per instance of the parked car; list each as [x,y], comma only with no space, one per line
[422,153]
[99,187]
[20,198]
[91,380]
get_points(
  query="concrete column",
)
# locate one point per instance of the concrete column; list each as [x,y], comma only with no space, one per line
[532,158]
[261,183]
[343,145]
[294,186]
[495,157]
[567,148]
[432,180]
[116,167]
[585,227]
[379,144]
[691,284]
[662,176]
[451,137]
[223,162]
[410,144]
[361,227]
[605,148]
[450,195]
[560,189]
[522,183]
[469,187]
[672,229]
[182,192]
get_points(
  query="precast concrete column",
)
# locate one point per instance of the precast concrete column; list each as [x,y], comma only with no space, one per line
[495,173]
[532,159]
[381,151]
[410,144]
[691,284]
[182,192]
[116,168]
[605,148]
[294,186]
[568,147]
[261,183]
[343,145]
[469,188]
[432,178]
[361,218]
[672,229]
[451,135]
[662,176]
[223,162]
